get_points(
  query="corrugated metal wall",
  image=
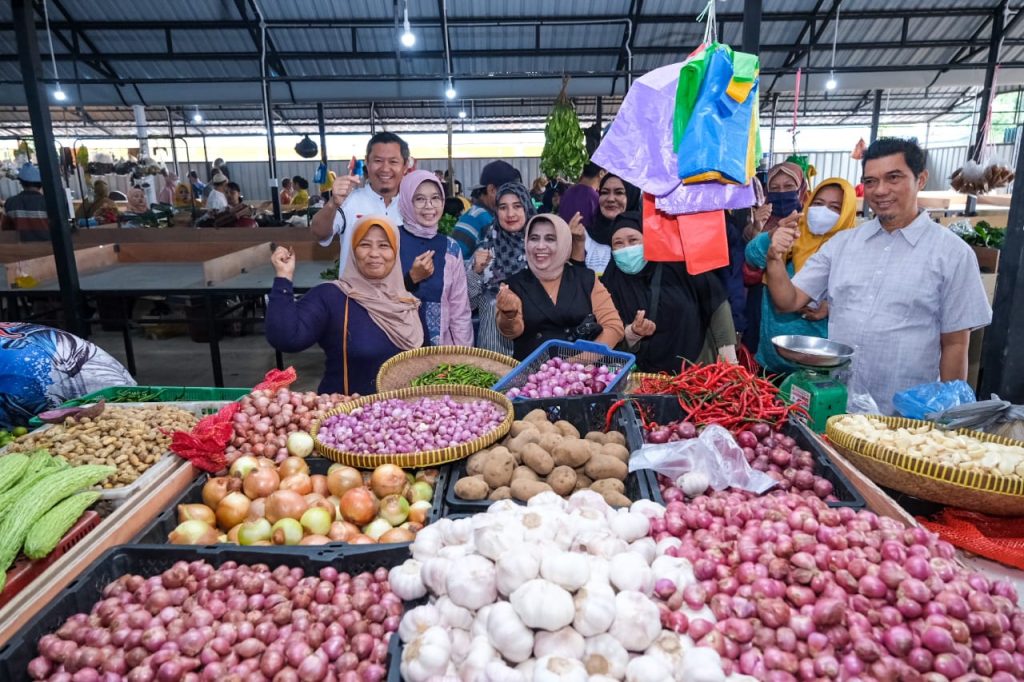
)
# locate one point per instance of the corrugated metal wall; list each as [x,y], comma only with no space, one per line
[942,161]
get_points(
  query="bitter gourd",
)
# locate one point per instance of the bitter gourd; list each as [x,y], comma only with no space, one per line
[46,533]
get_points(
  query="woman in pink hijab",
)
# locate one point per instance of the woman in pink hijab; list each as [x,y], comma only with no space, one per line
[166,195]
[432,263]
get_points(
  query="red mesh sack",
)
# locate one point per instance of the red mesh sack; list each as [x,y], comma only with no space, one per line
[206,443]
[998,538]
[276,379]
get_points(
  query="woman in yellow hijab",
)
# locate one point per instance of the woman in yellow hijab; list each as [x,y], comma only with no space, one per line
[830,208]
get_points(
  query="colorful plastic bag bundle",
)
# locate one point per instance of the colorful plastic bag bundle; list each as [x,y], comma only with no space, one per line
[687,135]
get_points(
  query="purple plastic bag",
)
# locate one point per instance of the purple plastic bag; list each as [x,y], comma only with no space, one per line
[638,148]
[705,196]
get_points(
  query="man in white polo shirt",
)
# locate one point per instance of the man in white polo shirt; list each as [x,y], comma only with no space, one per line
[387,159]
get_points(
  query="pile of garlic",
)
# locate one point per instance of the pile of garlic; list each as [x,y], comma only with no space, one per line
[555,591]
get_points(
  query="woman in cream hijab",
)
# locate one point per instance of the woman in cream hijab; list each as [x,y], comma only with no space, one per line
[360,320]
[552,298]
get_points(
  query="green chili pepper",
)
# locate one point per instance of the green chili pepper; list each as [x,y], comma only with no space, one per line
[462,374]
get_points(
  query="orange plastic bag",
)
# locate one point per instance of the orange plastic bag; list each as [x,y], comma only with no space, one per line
[998,538]
[662,243]
[276,379]
[698,239]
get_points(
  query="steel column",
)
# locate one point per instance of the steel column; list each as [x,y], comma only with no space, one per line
[995,46]
[752,26]
[322,128]
[876,115]
[46,156]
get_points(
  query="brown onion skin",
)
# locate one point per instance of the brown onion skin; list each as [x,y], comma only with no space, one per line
[285,504]
[358,506]
[260,482]
[299,483]
[232,510]
[319,482]
[341,479]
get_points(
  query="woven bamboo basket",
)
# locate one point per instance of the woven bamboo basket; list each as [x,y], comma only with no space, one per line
[399,371]
[930,480]
[429,458]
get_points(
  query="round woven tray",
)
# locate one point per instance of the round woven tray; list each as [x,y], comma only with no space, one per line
[429,458]
[929,480]
[399,371]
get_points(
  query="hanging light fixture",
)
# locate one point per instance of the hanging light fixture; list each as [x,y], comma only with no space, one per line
[408,38]
[450,92]
[58,93]
[197,118]
[831,83]
[462,113]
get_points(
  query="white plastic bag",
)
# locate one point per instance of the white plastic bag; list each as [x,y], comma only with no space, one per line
[714,454]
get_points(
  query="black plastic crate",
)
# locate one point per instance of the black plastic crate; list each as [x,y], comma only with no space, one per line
[586,413]
[157,531]
[148,560]
[664,409]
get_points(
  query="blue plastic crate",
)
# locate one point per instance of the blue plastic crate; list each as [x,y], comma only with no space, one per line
[615,360]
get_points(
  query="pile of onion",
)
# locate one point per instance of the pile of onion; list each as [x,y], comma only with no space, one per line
[260,503]
[765,450]
[557,377]
[266,419]
[800,591]
[197,622]
[396,426]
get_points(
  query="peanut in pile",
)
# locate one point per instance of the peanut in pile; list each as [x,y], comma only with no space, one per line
[129,438]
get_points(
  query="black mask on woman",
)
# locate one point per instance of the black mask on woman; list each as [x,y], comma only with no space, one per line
[784,203]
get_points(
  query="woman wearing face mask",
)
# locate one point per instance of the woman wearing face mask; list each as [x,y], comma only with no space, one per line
[552,298]
[501,254]
[672,314]
[831,208]
[432,263]
[360,320]
[614,196]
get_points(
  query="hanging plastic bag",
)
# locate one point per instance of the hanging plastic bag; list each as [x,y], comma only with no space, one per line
[706,196]
[858,150]
[704,240]
[662,242]
[919,401]
[691,78]
[714,453]
[718,135]
[320,175]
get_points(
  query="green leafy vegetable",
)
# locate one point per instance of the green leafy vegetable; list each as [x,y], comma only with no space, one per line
[565,151]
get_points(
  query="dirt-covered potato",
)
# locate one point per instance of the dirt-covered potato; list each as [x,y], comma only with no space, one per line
[475,463]
[538,459]
[608,484]
[502,450]
[497,470]
[547,428]
[616,499]
[548,441]
[502,493]
[471,488]
[537,415]
[523,489]
[597,437]
[567,429]
[605,466]
[615,450]
[519,426]
[562,480]
[593,447]
[582,481]
[519,442]
[525,472]
[615,437]
[571,453]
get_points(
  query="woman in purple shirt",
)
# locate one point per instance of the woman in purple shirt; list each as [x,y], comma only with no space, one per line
[360,320]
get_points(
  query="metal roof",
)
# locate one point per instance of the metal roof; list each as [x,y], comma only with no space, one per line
[506,58]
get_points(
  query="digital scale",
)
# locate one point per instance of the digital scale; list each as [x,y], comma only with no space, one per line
[815,386]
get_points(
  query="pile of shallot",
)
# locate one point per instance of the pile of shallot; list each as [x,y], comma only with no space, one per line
[557,377]
[799,591]
[396,426]
[198,622]
[266,418]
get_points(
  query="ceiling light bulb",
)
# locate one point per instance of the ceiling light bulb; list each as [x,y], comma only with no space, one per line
[197,118]
[408,38]
[450,92]
[472,127]
[831,83]
[59,94]
[462,114]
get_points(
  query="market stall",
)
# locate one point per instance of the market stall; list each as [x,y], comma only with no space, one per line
[647,526]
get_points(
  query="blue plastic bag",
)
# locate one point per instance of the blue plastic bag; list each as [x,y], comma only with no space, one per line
[717,136]
[919,401]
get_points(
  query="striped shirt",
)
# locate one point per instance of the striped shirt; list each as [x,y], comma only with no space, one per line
[26,214]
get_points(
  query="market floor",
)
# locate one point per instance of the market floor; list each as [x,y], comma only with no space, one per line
[180,361]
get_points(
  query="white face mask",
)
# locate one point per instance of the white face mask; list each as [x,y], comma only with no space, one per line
[821,219]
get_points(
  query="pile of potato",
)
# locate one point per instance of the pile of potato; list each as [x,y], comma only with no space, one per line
[946,447]
[129,438]
[538,456]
